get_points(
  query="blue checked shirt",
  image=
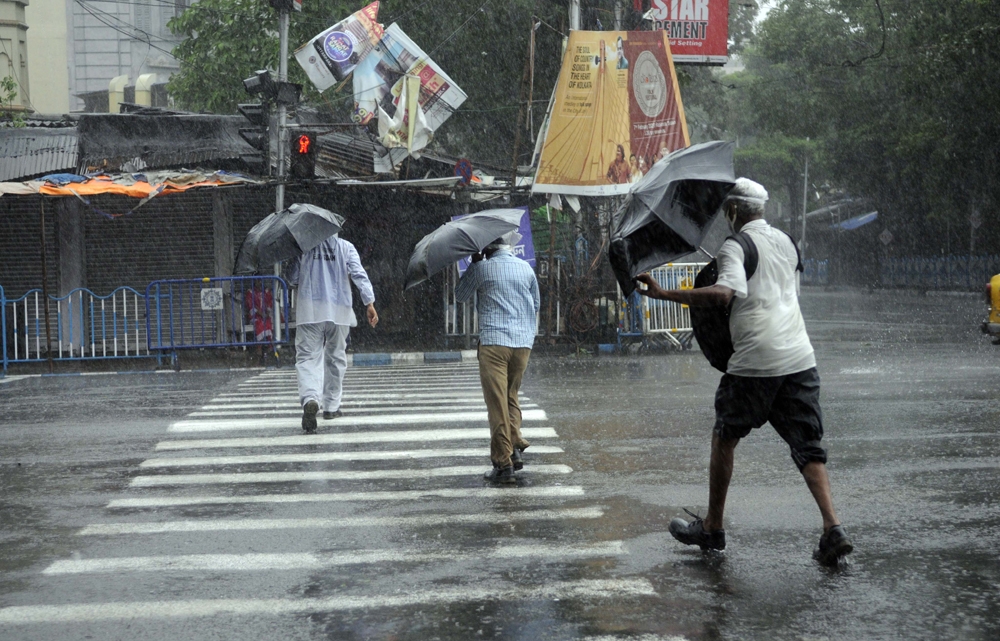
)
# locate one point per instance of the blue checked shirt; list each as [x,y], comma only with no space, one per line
[508,299]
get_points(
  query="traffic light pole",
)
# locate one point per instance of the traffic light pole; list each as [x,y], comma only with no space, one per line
[279,193]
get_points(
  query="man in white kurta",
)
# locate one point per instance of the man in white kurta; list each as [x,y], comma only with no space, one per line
[324,314]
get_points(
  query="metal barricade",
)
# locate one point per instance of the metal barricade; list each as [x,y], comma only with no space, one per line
[462,319]
[235,311]
[645,317]
[81,326]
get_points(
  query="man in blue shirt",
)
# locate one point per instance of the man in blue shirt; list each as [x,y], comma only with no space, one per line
[508,303]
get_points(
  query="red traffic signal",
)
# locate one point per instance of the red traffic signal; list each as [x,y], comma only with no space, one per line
[303,156]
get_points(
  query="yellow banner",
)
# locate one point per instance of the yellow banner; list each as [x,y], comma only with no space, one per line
[617,111]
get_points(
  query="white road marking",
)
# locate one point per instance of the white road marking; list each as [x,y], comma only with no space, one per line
[423,520]
[358,396]
[161,480]
[387,402]
[316,561]
[557,491]
[401,436]
[312,457]
[409,380]
[393,419]
[348,412]
[366,389]
[135,610]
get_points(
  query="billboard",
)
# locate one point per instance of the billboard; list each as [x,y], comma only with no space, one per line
[698,29]
[617,111]
[332,55]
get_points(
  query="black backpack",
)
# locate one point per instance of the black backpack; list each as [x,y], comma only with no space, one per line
[711,324]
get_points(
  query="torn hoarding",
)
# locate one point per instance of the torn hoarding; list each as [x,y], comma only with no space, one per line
[332,55]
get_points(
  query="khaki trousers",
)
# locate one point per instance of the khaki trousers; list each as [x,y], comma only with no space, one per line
[500,372]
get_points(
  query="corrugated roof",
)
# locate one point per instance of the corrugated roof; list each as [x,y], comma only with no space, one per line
[29,152]
[112,140]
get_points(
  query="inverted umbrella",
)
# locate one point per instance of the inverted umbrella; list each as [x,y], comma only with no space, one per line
[668,212]
[284,235]
[457,239]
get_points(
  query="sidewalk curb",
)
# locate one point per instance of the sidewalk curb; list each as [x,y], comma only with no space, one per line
[353,360]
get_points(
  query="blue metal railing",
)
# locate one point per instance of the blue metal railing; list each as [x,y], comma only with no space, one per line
[815,272]
[82,326]
[235,311]
[968,273]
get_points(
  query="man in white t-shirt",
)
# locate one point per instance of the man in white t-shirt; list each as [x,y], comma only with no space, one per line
[324,314]
[771,376]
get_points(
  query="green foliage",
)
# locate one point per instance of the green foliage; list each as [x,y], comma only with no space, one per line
[481,45]
[8,94]
[906,116]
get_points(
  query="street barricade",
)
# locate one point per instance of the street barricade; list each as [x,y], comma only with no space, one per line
[648,319]
[78,326]
[200,313]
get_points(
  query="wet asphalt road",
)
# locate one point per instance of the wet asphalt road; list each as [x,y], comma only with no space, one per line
[115,521]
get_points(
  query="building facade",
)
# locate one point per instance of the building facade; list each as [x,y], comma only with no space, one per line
[84,44]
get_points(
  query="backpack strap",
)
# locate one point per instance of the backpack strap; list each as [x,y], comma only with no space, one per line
[799,267]
[751,257]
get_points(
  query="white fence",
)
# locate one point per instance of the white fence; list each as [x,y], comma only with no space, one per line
[644,316]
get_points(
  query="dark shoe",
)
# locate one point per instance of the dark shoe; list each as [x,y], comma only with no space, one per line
[329,416]
[833,545]
[694,533]
[501,475]
[309,411]
[516,459]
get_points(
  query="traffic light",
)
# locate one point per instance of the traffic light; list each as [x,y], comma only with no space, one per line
[303,156]
[257,137]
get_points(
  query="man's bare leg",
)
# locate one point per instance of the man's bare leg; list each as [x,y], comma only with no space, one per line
[819,485]
[720,472]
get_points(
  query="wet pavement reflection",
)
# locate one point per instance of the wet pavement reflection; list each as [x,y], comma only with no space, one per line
[911,400]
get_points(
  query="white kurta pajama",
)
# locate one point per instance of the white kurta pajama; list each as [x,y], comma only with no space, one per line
[324,314]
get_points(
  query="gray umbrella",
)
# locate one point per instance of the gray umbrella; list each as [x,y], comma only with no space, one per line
[457,239]
[670,210]
[285,235]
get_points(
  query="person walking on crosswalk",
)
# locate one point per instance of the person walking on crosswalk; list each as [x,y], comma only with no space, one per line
[324,314]
[507,304]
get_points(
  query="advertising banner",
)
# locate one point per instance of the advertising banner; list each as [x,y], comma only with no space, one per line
[332,55]
[617,111]
[524,249]
[378,81]
[698,29]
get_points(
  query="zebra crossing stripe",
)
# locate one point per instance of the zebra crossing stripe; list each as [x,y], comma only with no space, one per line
[557,491]
[496,591]
[313,457]
[392,419]
[344,438]
[423,520]
[161,480]
[316,561]
[348,412]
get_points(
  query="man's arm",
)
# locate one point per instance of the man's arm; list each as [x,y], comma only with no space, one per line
[360,278]
[469,282]
[712,296]
[535,295]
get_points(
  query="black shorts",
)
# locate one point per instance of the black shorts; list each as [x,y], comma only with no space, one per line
[790,403]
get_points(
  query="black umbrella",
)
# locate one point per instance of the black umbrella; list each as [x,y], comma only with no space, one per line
[285,235]
[457,239]
[668,212]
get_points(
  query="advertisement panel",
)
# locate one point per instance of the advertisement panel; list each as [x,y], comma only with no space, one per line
[617,111]
[329,57]
[378,81]
[698,29]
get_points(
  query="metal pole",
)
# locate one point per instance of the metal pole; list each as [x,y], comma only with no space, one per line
[805,200]
[279,193]
[574,15]
[45,290]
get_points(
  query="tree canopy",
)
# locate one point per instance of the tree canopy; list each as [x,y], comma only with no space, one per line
[893,100]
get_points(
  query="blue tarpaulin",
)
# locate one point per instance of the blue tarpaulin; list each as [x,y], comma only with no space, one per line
[857,221]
